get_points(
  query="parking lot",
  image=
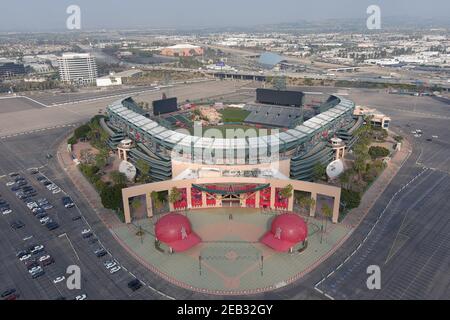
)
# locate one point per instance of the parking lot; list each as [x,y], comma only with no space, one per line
[17,104]
[49,240]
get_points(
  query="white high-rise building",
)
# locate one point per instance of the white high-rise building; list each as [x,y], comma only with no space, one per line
[77,68]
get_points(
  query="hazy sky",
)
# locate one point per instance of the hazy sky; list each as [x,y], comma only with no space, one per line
[42,15]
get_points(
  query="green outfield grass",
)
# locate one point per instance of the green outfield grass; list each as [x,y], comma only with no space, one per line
[234,114]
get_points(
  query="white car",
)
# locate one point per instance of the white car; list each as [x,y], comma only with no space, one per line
[35,269]
[10,183]
[25,257]
[35,209]
[114,269]
[8,211]
[52,186]
[44,220]
[43,258]
[57,190]
[110,264]
[435,137]
[81,297]
[59,279]
[32,205]
[37,248]
[85,231]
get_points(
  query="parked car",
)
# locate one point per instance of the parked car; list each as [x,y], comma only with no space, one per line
[31,205]
[37,249]
[17,224]
[44,257]
[41,215]
[38,274]
[86,235]
[47,207]
[31,264]
[21,253]
[52,225]
[67,202]
[35,269]
[134,284]
[59,279]
[6,211]
[8,292]
[44,220]
[48,262]
[81,297]
[109,264]
[114,269]
[100,252]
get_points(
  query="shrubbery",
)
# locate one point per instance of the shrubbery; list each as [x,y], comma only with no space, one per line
[72,140]
[351,199]
[89,171]
[378,152]
[82,131]
[112,197]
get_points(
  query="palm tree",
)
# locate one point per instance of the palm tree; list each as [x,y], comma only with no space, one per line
[175,195]
[307,203]
[156,200]
[327,213]
[286,192]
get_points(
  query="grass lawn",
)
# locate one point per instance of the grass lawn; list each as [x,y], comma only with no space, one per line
[234,114]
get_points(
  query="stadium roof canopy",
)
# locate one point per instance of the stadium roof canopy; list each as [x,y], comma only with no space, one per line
[150,129]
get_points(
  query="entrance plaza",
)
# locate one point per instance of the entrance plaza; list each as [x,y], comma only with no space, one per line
[230,259]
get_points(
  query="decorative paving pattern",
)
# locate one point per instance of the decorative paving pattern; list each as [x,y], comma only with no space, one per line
[230,259]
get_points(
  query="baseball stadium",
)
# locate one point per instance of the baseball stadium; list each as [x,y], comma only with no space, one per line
[220,214]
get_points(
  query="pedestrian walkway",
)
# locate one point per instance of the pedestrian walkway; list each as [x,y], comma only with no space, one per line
[230,259]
